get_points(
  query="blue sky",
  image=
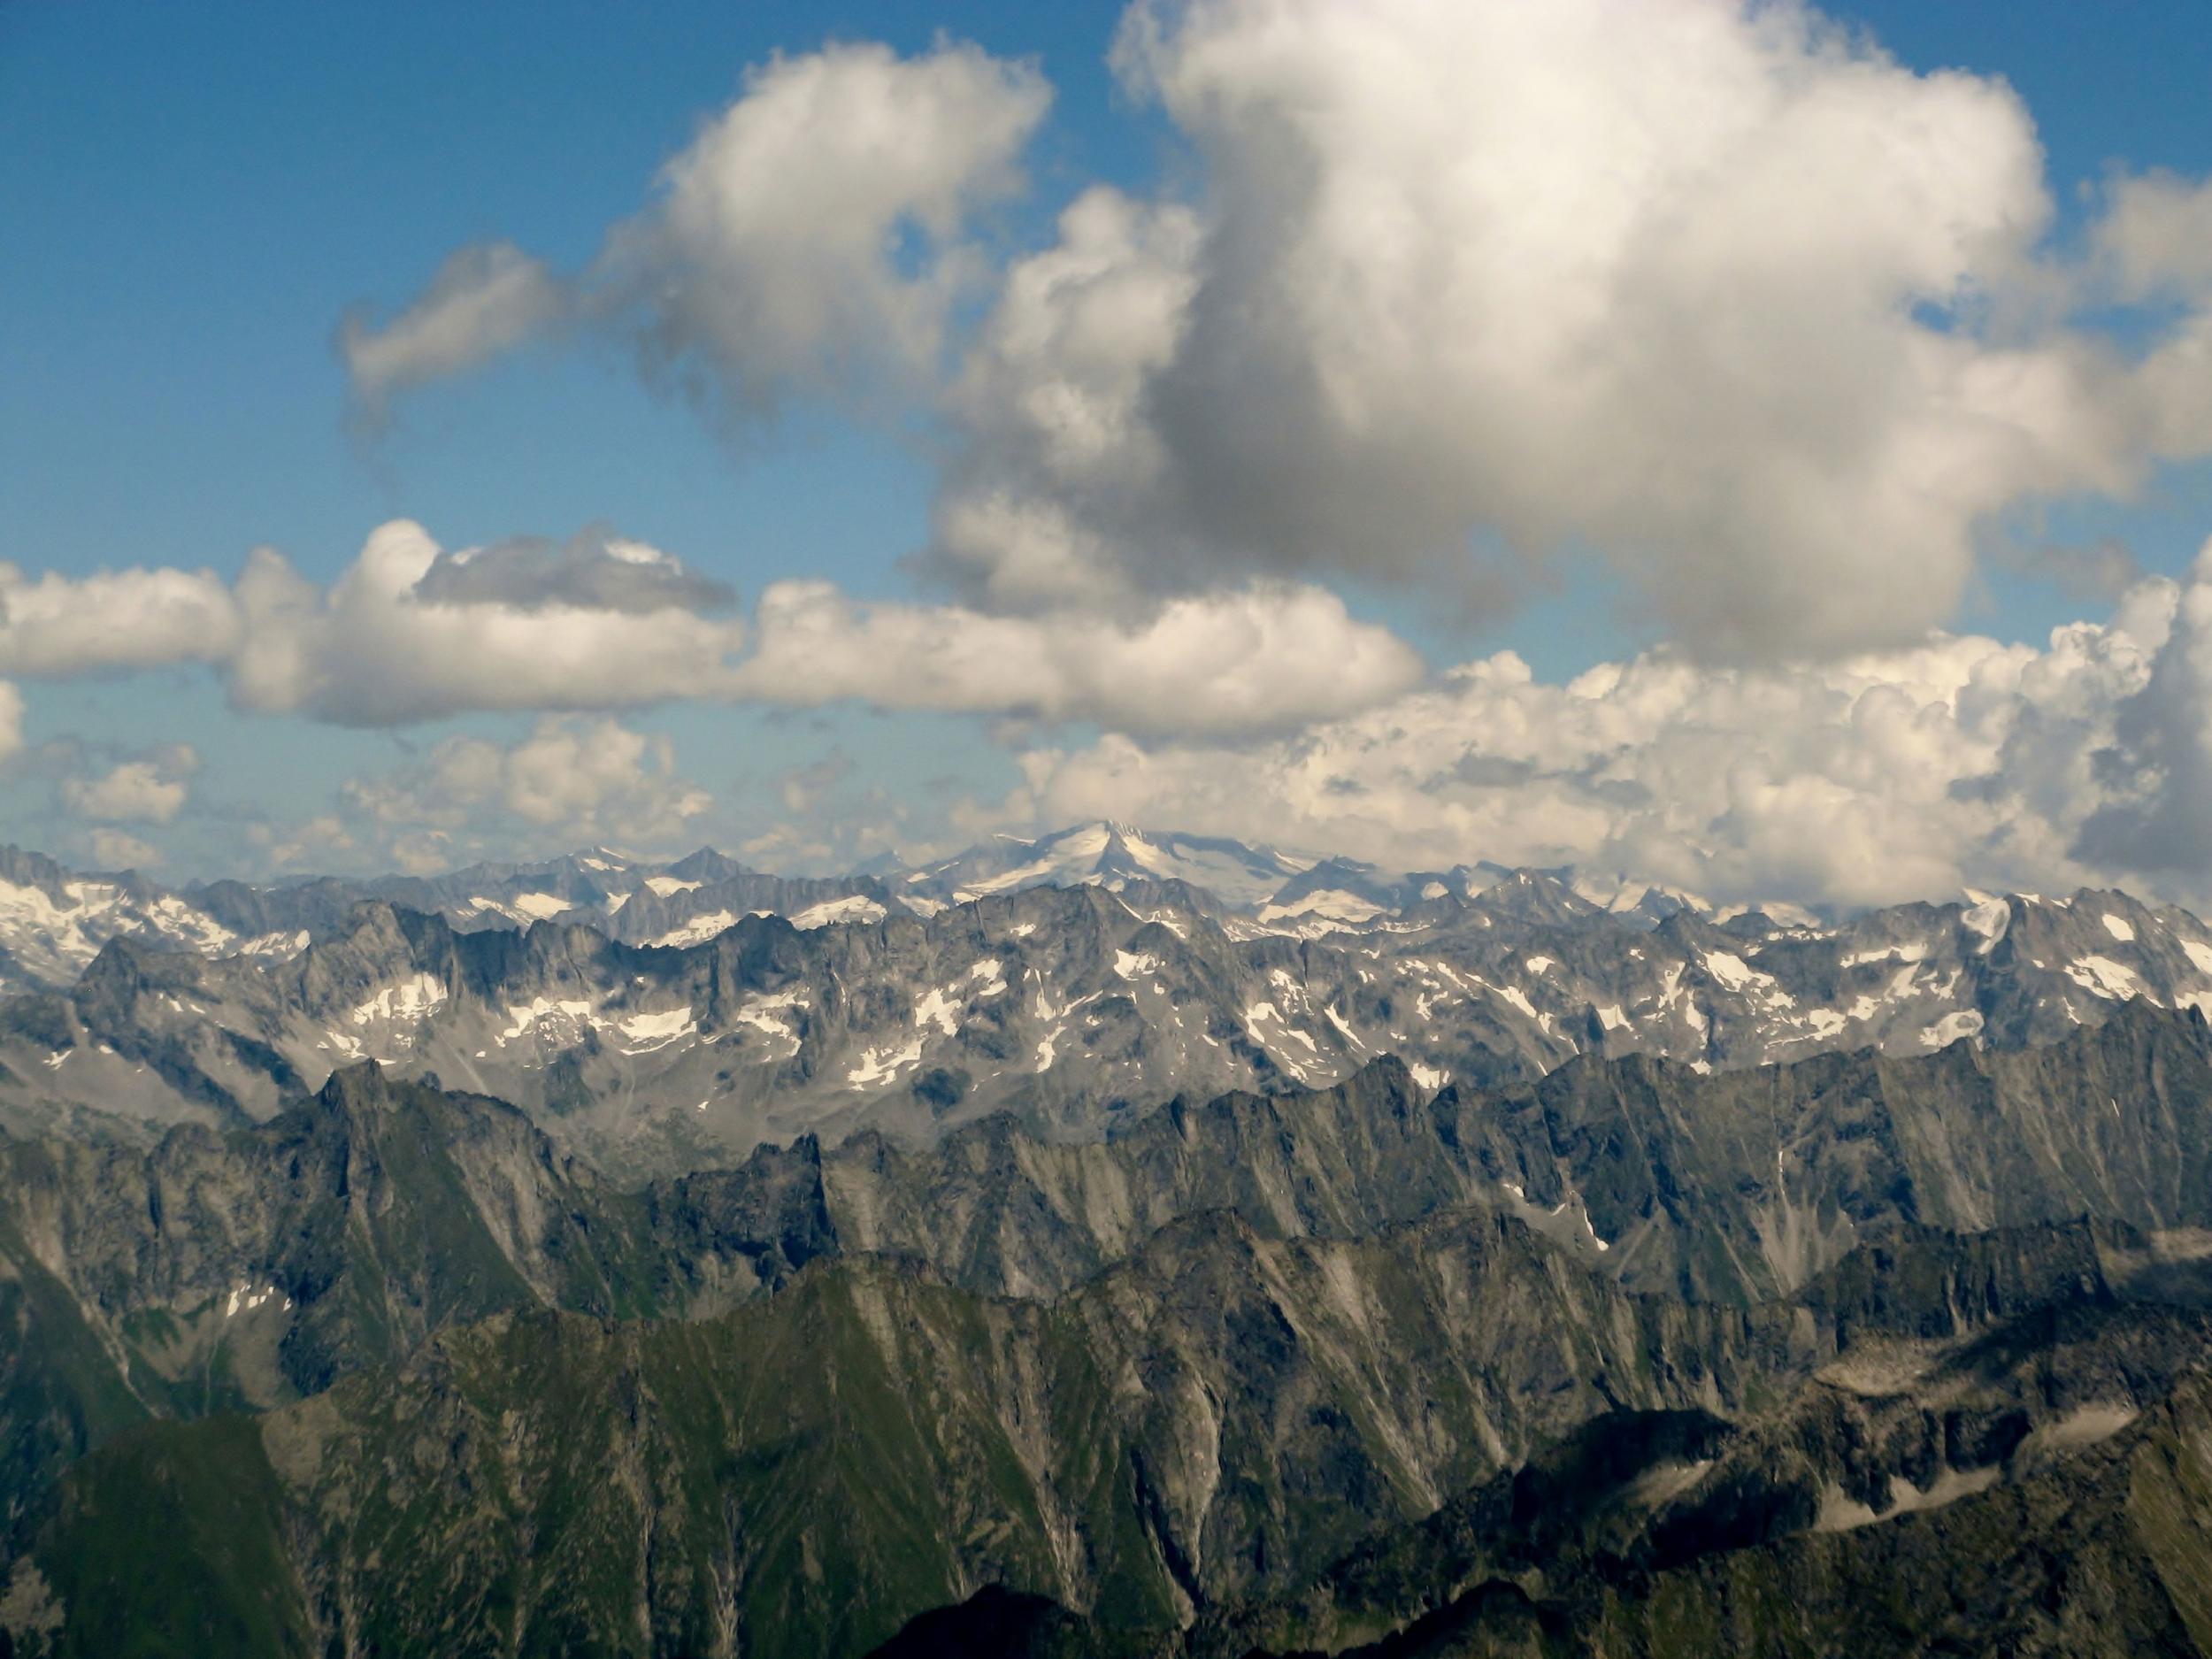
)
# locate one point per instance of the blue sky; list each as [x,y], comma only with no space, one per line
[195,197]
[200,194]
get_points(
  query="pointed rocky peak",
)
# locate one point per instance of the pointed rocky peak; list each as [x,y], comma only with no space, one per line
[1535,896]
[1692,935]
[1755,925]
[761,930]
[1170,892]
[1906,935]
[1655,904]
[1342,875]
[886,865]
[759,953]
[118,959]
[371,919]
[1111,852]
[353,1089]
[1628,898]
[129,964]
[1387,1079]
[707,866]
[21,867]
[2139,1021]
[1085,903]
[380,940]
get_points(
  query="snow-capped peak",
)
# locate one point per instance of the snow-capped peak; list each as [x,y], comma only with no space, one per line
[1111,854]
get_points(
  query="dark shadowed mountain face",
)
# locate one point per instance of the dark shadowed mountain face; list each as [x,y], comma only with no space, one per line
[1442,1370]
[1048,1254]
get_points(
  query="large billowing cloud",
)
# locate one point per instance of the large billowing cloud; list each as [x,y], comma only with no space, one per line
[815,231]
[54,626]
[1062,454]
[2153,781]
[1712,297]
[812,238]
[1718,293]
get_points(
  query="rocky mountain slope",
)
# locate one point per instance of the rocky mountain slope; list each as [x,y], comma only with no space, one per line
[1072,1006]
[239,1269]
[251,1267]
[247,1268]
[827,1461]
[1155,1379]
[54,921]
[2028,1475]
[254,1266]
[1181,1446]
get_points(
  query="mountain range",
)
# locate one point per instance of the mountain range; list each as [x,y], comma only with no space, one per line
[1050,1252]
[53,920]
[1067,1005]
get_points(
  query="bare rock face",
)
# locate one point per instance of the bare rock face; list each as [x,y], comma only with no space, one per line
[1749,1182]
[1075,1008]
[1276,1370]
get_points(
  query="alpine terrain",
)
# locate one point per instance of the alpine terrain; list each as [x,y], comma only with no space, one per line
[1110,1244]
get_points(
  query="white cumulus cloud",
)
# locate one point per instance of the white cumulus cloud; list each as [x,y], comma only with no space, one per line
[411,632]
[54,625]
[381,647]
[1771,326]
[812,237]
[586,776]
[484,301]
[1866,779]
[145,791]
[1224,663]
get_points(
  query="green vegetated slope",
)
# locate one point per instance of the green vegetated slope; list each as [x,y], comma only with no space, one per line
[803,1474]
[240,1270]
